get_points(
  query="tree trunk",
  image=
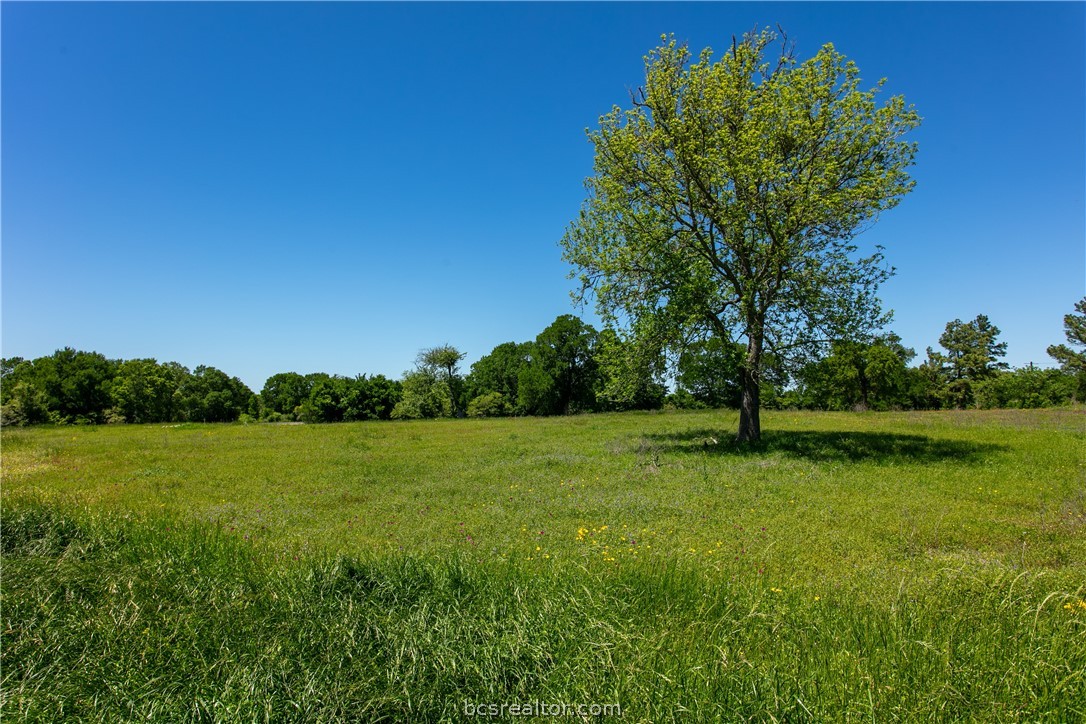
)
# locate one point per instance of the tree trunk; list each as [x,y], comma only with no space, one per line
[450,380]
[750,424]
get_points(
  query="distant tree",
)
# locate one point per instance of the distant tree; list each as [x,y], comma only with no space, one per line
[1073,361]
[424,395]
[372,398]
[144,391]
[860,375]
[709,370]
[24,404]
[972,349]
[972,354]
[11,412]
[326,401]
[71,386]
[444,362]
[7,367]
[926,385]
[626,380]
[333,398]
[557,373]
[432,388]
[284,392]
[565,352]
[498,371]
[725,201]
[74,385]
[210,395]
[1025,387]
[883,370]
[535,391]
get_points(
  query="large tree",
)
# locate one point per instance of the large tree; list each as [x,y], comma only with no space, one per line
[725,201]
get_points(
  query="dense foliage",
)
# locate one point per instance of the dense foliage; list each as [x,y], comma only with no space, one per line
[966,373]
[1073,361]
[570,367]
[70,386]
[560,372]
[724,203]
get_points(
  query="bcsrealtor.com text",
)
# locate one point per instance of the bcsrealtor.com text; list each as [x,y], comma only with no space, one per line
[540,708]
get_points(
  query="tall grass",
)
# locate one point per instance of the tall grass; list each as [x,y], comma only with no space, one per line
[126,608]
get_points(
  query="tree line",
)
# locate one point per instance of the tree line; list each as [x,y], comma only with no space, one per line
[569,368]
[966,372]
[75,387]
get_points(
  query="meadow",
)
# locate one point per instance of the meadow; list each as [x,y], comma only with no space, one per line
[915,566]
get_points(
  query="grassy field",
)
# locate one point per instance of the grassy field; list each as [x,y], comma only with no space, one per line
[852,567]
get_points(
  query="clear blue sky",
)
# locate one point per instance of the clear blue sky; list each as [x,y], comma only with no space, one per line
[331,187]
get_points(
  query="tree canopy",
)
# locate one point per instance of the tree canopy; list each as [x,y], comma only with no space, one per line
[432,389]
[497,372]
[445,362]
[565,352]
[870,375]
[1073,361]
[1074,328]
[725,201]
[972,354]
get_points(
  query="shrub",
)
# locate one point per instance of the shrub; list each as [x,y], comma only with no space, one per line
[12,415]
[492,404]
[1024,388]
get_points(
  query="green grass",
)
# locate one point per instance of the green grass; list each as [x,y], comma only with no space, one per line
[852,567]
